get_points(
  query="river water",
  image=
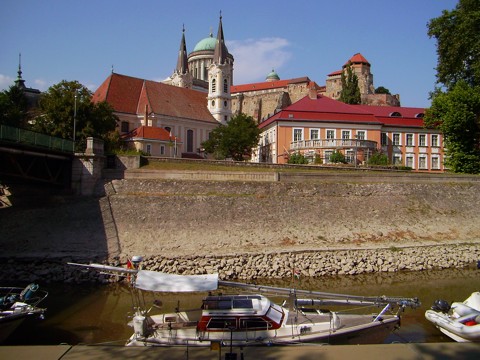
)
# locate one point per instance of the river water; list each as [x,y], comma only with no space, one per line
[87,314]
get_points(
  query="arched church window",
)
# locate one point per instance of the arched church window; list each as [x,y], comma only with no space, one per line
[214,85]
[225,86]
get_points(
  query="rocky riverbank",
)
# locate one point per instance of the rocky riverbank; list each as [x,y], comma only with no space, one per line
[248,230]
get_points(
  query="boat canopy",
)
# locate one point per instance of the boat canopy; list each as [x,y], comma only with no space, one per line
[162,282]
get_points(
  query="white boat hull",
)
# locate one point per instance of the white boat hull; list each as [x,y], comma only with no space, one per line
[345,329]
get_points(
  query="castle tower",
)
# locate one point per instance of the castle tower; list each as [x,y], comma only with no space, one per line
[361,68]
[220,78]
[181,76]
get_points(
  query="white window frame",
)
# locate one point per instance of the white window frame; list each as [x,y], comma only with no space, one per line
[435,143]
[294,130]
[348,133]
[409,157]
[364,132]
[399,142]
[425,166]
[318,134]
[437,157]
[409,136]
[330,131]
[425,137]
[384,136]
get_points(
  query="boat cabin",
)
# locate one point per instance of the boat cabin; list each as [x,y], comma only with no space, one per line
[240,313]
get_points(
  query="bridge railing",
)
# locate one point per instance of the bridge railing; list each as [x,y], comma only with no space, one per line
[17,135]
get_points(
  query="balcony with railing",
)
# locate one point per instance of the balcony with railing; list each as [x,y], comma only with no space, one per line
[334,144]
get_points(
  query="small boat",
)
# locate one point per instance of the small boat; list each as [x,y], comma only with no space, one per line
[459,321]
[17,304]
[251,318]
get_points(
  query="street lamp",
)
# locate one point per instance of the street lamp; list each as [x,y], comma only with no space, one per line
[74,118]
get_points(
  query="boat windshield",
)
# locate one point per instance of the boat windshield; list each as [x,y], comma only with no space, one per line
[230,302]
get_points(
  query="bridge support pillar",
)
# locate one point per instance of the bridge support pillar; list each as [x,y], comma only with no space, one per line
[87,168]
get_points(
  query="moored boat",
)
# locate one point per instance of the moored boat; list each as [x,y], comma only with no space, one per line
[17,304]
[459,321]
[251,318]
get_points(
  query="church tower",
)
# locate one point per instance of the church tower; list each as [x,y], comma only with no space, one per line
[181,76]
[220,78]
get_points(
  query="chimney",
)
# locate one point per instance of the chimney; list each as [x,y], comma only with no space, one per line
[146,115]
[312,92]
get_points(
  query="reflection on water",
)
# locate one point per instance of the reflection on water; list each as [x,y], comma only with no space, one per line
[92,314]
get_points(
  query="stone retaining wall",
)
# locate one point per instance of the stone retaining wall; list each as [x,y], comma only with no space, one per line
[250,267]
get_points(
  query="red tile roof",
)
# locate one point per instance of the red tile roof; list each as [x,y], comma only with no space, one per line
[152,133]
[128,94]
[357,59]
[270,85]
[324,109]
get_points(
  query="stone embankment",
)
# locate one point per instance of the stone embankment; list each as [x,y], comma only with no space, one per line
[246,230]
[250,267]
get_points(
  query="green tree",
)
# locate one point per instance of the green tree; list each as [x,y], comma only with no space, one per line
[234,140]
[382,90]
[13,107]
[458,44]
[457,114]
[68,102]
[378,158]
[350,93]
[297,158]
[455,109]
[337,157]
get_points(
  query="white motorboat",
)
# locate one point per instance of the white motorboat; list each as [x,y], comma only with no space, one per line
[17,304]
[460,321]
[253,319]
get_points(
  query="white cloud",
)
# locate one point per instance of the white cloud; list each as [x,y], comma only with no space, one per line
[255,58]
[40,84]
[5,82]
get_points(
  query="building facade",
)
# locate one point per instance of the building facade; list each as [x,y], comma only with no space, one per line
[159,119]
[317,126]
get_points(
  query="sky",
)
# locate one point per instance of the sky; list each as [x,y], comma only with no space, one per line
[83,40]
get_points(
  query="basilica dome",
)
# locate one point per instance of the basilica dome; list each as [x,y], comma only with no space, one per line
[207,44]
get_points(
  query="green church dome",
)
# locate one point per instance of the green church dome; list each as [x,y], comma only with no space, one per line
[206,44]
[272,76]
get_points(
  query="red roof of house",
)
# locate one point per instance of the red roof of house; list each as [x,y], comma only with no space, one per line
[128,94]
[152,133]
[324,109]
[270,85]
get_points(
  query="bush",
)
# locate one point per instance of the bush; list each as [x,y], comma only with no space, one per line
[337,157]
[297,158]
[378,158]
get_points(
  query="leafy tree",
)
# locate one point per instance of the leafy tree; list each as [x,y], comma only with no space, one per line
[234,140]
[57,113]
[378,158]
[382,90]
[458,43]
[350,93]
[297,158]
[455,109]
[337,157]
[13,107]
[457,114]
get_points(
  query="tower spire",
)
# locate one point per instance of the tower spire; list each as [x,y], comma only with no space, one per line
[182,62]
[20,83]
[221,52]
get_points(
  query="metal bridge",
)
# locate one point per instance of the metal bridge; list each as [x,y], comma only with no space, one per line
[36,157]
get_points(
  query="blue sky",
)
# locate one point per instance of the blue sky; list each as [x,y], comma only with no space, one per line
[81,40]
